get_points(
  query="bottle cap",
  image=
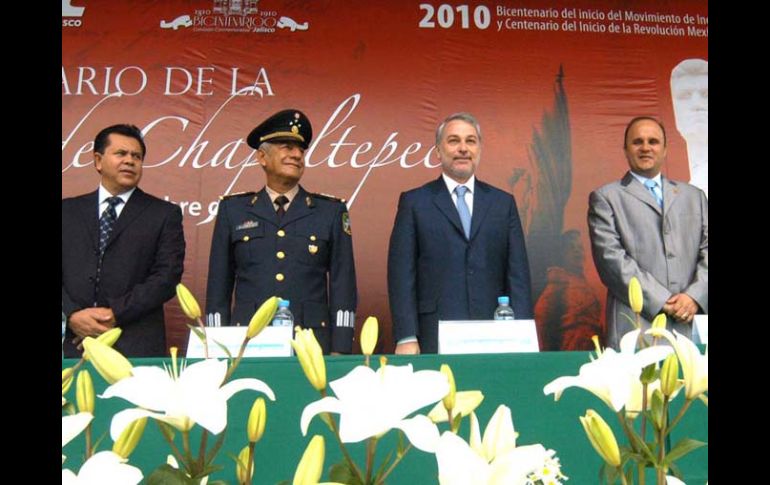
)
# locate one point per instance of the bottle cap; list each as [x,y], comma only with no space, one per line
[503,300]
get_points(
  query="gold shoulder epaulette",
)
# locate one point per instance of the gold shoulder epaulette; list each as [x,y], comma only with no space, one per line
[236,194]
[328,197]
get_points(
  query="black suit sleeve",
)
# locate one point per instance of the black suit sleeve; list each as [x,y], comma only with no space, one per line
[402,272]
[219,289]
[517,277]
[165,273]
[342,281]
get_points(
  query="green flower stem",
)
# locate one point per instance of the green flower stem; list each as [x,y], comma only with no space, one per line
[623,477]
[205,338]
[366,361]
[393,465]
[189,463]
[351,464]
[237,361]
[641,472]
[371,447]
[89,450]
[202,449]
[171,444]
[644,415]
[250,468]
[679,416]
[627,432]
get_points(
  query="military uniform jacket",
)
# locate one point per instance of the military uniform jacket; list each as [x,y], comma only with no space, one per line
[297,258]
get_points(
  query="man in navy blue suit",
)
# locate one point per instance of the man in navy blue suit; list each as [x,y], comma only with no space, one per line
[456,245]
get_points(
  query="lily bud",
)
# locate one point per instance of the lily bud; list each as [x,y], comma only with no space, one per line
[601,437]
[310,357]
[669,375]
[188,302]
[129,438]
[242,467]
[108,362]
[262,317]
[635,297]
[656,408]
[449,399]
[257,419]
[111,336]
[67,376]
[311,465]
[84,393]
[659,322]
[369,335]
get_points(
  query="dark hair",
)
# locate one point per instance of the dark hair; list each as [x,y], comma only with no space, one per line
[642,118]
[103,137]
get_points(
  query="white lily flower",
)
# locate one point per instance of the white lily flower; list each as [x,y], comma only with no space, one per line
[459,464]
[192,396]
[72,426]
[695,367]
[612,375]
[103,467]
[372,402]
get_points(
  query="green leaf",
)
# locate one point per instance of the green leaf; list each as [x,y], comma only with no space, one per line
[341,473]
[649,374]
[166,429]
[642,446]
[682,448]
[198,332]
[327,418]
[401,447]
[456,422]
[168,475]
[224,349]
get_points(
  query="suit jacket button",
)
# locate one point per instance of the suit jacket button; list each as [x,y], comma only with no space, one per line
[281,233]
[245,238]
[312,238]
[280,255]
[279,277]
[323,324]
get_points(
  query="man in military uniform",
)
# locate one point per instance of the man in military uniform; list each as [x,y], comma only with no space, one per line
[284,241]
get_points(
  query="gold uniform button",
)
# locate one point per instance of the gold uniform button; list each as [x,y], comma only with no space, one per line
[281,233]
[323,324]
[279,277]
[280,255]
[312,238]
[245,238]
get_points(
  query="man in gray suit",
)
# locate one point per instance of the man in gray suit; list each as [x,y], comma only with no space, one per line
[658,235]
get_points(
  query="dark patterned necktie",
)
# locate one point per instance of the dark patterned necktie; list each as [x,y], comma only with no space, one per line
[280,201]
[107,222]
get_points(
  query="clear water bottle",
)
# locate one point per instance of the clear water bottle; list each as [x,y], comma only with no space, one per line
[504,310]
[283,316]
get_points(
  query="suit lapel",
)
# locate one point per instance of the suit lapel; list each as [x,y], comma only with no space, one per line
[636,189]
[264,208]
[481,201]
[443,201]
[670,193]
[89,210]
[298,208]
[136,204]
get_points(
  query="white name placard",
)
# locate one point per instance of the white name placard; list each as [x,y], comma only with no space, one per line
[271,342]
[486,336]
[700,329]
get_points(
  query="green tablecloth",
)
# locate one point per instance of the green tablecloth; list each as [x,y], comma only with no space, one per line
[515,380]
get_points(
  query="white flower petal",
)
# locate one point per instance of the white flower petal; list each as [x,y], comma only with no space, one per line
[325,405]
[421,431]
[229,389]
[123,418]
[628,342]
[68,477]
[72,426]
[107,467]
[147,387]
[499,435]
[673,481]
[458,464]
[514,466]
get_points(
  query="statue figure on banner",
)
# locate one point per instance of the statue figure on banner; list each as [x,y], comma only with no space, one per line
[568,313]
[690,96]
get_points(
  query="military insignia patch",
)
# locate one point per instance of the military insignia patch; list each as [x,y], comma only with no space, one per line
[346,223]
[312,248]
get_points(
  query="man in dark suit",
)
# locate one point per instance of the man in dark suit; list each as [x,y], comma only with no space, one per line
[122,252]
[456,245]
[654,228]
[284,241]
